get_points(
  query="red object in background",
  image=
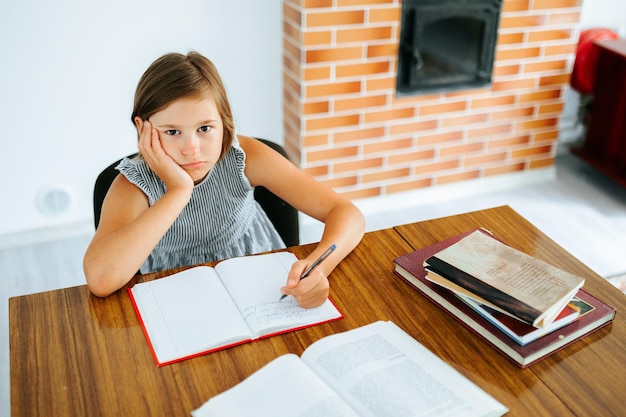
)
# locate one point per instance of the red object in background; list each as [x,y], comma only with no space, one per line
[584,72]
[605,141]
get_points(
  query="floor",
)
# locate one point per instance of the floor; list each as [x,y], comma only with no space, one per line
[580,209]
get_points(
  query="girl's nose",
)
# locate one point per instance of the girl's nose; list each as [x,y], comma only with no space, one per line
[191,145]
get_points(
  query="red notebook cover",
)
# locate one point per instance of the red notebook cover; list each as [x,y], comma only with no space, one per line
[410,268]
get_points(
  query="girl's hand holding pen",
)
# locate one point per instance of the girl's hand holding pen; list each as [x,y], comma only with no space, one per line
[310,292]
[313,295]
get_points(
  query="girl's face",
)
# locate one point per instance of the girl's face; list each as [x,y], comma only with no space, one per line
[191,133]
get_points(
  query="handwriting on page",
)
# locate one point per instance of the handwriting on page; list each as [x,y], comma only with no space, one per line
[276,313]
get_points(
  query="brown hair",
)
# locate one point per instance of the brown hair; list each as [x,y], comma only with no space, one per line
[174,76]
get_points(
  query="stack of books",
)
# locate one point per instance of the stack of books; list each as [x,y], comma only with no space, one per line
[525,308]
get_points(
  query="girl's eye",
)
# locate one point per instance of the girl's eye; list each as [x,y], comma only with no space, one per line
[172,132]
[204,128]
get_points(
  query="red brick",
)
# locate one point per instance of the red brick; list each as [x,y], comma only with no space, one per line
[504,169]
[359,103]
[312,4]
[541,163]
[436,166]
[555,4]
[330,154]
[364,193]
[363,35]
[440,138]
[408,186]
[460,150]
[549,35]
[386,146]
[492,102]
[386,175]
[534,151]
[537,124]
[485,159]
[464,120]
[316,107]
[509,142]
[517,53]
[333,54]
[341,182]
[463,176]
[334,89]
[521,21]
[359,165]
[378,15]
[413,127]
[515,6]
[344,3]
[360,134]
[438,109]
[335,18]
[489,131]
[549,136]
[353,70]
[408,157]
[331,122]
[389,115]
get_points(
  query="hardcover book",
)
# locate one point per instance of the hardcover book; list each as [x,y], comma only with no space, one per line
[410,268]
[502,277]
[204,309]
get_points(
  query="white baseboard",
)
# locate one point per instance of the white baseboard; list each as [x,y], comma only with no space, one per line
[48,234]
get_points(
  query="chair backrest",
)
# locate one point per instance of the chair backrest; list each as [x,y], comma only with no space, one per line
[283,216]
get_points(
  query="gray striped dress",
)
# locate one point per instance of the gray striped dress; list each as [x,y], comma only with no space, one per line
[222,220]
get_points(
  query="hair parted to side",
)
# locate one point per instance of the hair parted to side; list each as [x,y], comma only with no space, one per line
[174,76]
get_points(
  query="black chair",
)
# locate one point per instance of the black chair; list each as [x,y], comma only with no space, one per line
[283,216]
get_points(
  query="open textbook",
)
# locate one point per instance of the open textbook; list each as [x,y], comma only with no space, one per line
[204,309]
[372,371]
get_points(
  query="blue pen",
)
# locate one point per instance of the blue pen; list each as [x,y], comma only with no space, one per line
[314,264]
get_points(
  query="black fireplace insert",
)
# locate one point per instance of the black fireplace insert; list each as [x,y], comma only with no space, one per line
[446,45]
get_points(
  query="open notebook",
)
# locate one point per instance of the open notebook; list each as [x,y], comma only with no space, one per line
[203,309]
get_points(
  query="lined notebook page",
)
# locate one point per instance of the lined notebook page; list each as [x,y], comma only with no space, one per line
[187,313]
[254,283]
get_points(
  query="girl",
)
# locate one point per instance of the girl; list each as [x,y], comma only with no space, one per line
[188,198]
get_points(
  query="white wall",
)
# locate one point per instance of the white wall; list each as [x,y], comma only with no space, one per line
[68,70]
[604,13]
[609,14]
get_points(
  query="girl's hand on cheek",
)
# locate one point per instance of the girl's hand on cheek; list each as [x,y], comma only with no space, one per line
[172,174]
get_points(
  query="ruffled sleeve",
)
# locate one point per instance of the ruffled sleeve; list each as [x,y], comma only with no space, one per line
[137,172]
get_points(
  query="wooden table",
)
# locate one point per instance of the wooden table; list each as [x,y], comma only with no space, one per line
[73,354]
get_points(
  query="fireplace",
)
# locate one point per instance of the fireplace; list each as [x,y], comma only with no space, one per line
[446,45]
[345,124]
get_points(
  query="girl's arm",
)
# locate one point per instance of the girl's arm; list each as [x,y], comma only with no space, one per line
[344,223]
[129,229]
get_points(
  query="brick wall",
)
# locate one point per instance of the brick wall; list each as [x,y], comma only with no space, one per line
[344,125]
